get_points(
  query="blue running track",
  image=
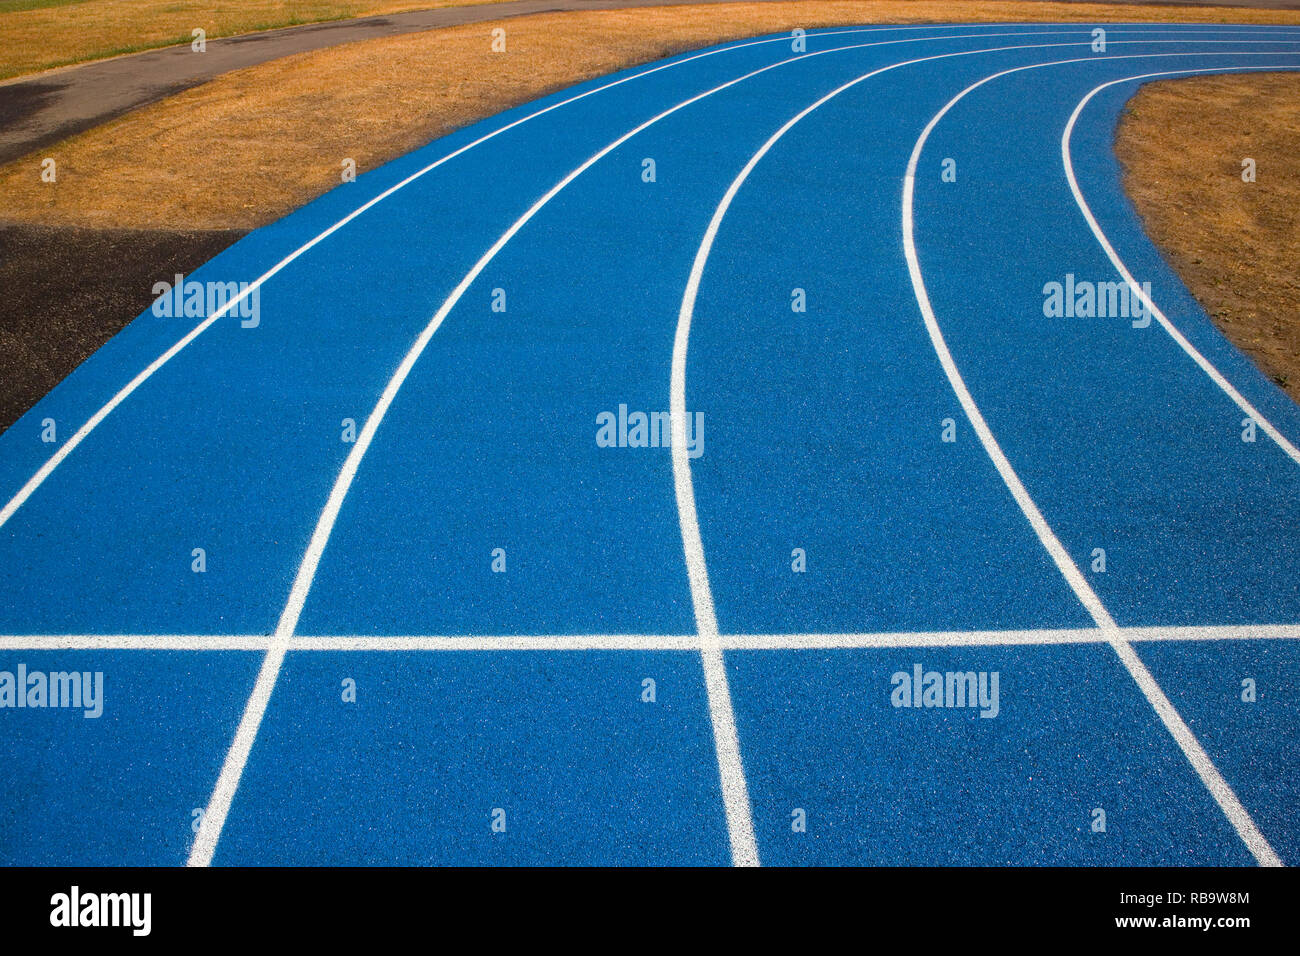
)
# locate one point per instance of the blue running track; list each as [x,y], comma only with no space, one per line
[366,585]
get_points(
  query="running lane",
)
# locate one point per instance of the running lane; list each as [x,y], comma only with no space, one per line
[483,507]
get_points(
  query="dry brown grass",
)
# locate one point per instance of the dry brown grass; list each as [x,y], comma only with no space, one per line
[252,145]
[1235,244]
[70,32]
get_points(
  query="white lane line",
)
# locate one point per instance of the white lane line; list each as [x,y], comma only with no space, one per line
[1206,366]
[134,642]
[227,783]
[509,642]
[232,769]
[1211,632]
[731,768]
[639,642]
[93,422]
[1024,638]
[1213,780]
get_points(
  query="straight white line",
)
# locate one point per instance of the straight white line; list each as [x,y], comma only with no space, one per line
[1211,632]
[509,642]
[1206,366]
[371,643]
[753,642]
[1218,787]
[232,769]
[1025,638]
[726,739]
[134,642]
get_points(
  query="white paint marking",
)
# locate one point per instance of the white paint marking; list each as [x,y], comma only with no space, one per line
[731,771]
[134,642]
[1212,632]
[1206,366]
[730,764]
[1213,780]
[232,768]
[370,643]
[93,422]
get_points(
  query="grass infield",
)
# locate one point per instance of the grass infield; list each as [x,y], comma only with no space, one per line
[1235,244]
[254,144]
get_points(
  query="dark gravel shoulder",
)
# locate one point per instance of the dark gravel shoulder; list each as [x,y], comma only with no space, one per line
[69,290]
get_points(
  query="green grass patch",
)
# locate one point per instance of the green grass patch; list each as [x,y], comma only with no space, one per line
[13,6]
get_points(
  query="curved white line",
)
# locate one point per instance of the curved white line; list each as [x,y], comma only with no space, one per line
[42,473]
[93,422]
[1209,774]
[1205,365]
[232,769]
